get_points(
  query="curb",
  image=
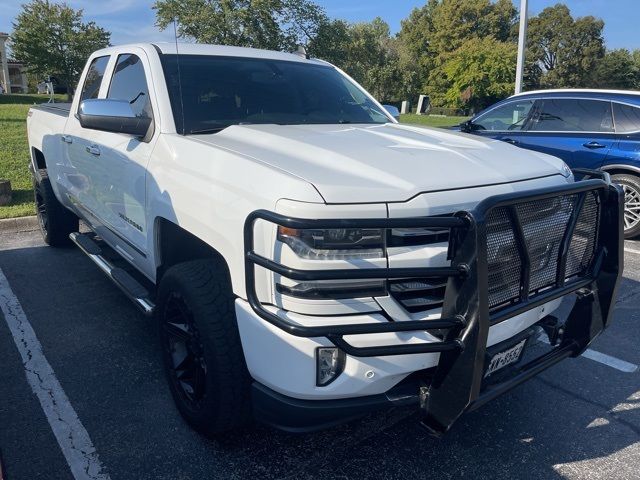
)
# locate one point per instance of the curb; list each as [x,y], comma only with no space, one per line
[17,225]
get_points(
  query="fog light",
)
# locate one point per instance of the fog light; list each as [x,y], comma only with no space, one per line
[329,364]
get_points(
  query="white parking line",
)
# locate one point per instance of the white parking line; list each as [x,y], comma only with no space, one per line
[612,362]
[71,435]
[603,358]
[631,250]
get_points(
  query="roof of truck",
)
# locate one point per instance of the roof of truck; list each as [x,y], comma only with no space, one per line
[217,50]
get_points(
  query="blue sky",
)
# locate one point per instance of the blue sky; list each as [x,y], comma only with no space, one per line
[133,20]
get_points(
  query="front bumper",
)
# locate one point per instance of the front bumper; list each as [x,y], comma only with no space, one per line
[456,384]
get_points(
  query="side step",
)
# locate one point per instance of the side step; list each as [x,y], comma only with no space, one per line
[123,280]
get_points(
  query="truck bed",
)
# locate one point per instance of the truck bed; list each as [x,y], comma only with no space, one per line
[61,109]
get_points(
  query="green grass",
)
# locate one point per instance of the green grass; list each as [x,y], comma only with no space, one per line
[431,121]
[14,152]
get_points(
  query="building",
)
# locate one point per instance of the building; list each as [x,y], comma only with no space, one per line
[13,78]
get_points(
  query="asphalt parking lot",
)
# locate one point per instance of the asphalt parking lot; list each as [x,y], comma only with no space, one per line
[579,420]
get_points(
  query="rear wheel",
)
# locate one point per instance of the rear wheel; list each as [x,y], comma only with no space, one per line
[55,221]
[201,348]
[631,187]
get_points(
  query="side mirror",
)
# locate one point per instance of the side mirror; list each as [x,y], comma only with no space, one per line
[466,127]
[393,111]
[112,116]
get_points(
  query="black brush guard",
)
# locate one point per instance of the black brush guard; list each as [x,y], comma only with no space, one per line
[466,318]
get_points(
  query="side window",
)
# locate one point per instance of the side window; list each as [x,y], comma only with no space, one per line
[129,83]
[509,117]
[93,80]
[572,115]
[627,118]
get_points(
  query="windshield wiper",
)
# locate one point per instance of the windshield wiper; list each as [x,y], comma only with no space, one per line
[209,130]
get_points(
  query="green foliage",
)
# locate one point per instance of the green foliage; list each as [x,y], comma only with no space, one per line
[51,39]
[430,40]
[365,51]
[270,24]
[565,50]
[617,69]
[480,72]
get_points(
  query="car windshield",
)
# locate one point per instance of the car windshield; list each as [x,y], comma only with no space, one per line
[216,92]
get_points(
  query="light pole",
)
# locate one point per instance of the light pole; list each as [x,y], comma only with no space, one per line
[522,44]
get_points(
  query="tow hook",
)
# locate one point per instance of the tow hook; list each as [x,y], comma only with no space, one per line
[553,328]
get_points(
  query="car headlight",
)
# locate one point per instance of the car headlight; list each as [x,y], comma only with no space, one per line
[334,244]
[566,171]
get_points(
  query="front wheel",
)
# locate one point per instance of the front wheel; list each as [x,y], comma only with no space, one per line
[201,348]
[631,186]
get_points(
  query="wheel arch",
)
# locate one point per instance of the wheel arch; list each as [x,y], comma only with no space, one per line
[621,169]
[168,236]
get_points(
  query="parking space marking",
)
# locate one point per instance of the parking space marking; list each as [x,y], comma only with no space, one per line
[631,250]
[74,441]
[603,358]
[612,362]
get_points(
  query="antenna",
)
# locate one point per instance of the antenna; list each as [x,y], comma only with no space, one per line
[175,36]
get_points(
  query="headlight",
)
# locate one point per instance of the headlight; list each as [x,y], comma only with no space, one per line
[566,171]
[334,244]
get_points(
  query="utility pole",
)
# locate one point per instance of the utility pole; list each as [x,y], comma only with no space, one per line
[522,44]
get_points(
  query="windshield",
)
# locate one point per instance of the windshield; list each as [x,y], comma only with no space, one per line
[222,91]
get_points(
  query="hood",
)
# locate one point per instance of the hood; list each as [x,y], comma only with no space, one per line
[383,163]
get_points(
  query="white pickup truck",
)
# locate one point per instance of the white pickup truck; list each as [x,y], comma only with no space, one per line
[307,258]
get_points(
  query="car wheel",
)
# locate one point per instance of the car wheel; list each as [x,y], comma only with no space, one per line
[201,348]
[631,187]
[55,221]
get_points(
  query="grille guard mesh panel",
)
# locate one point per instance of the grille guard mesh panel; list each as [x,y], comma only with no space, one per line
[543,225]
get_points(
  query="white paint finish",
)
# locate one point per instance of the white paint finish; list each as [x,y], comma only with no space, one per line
[610,361]
[384,162]
[74,441]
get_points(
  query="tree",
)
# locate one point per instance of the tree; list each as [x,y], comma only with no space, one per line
[365,51]
[51,39]
[480,73]
[617,69]
[432,34]
[566,50]
[270,24]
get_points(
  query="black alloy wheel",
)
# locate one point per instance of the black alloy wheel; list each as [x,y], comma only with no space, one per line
[184,350]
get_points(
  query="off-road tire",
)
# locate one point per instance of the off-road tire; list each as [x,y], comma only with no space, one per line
[205,288]
[55,221]
[631,184]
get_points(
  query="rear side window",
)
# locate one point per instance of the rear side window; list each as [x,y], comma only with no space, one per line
[93,80]
[130,83]
[509,117]
[572,115]
[627,118]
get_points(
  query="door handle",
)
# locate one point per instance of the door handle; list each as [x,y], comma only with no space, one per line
[511,141]
[66,138]
[593,145]
[94,150]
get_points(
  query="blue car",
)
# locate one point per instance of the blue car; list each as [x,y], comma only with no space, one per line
[598,129]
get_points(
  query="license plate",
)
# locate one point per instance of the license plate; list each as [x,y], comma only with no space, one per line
[506,357]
